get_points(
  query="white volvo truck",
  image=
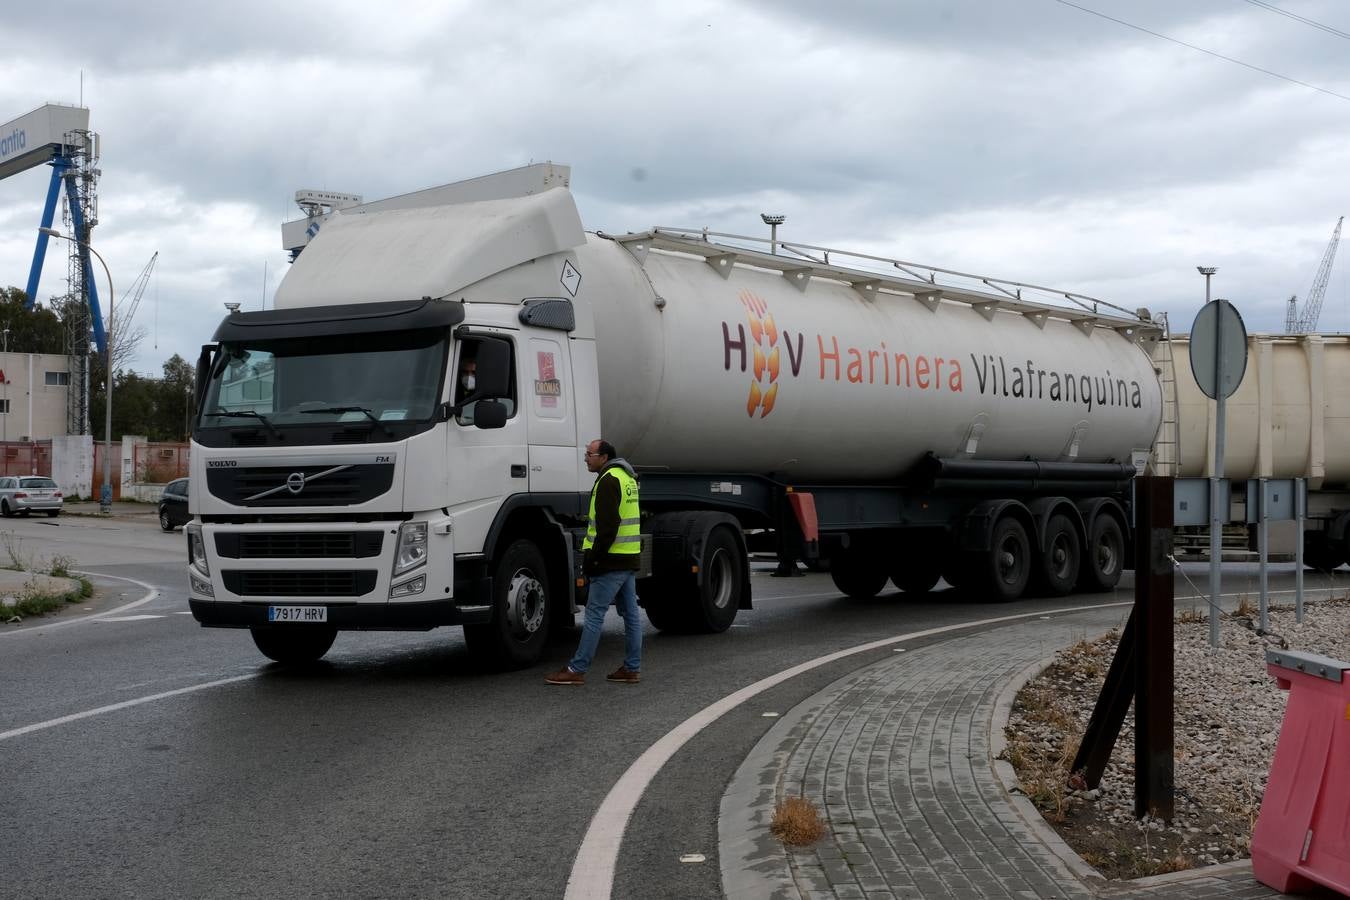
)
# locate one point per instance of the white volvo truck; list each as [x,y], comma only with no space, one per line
[871,413]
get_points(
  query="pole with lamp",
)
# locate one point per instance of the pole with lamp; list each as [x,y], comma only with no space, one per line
[105,495]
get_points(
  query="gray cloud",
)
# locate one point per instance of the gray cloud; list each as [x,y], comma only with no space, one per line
[1022,138]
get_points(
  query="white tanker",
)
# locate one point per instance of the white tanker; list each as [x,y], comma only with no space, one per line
[893,423]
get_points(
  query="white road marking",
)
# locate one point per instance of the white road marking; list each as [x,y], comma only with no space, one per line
[114,707]
[131,618]
[592,876]
[152,593]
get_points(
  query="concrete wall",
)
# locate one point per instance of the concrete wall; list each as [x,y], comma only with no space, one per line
[73,464]
[37,410]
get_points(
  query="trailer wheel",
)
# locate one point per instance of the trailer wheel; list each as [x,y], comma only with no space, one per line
[1104,559]
[293,644]
[518,631]
[916,576]
[1319,553]
[1057,568]
[1003,570]
[858,574]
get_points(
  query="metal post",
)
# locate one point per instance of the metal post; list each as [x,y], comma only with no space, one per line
[1300,510]
[105,495]
[1154,653]
[773,222]
[1263,533]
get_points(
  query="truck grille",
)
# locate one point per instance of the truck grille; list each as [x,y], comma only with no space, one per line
[267,486]
[298,584]
[300,545]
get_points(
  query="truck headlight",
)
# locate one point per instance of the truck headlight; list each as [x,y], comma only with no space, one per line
[412,547]
[197,548]
[201,586]
[410,587]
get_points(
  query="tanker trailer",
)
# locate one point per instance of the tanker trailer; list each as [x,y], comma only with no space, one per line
[1290,418]
[879,415]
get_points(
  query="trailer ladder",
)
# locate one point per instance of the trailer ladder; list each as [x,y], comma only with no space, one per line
[799,263]
[1167,448]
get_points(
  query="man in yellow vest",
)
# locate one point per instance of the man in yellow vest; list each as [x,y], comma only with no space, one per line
[612,549]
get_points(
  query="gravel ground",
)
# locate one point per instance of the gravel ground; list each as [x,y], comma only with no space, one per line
[1228,712]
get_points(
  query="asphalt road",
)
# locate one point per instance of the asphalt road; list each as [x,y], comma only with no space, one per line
[395,768]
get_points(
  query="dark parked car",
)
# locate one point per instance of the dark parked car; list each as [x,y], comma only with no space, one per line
[173,510]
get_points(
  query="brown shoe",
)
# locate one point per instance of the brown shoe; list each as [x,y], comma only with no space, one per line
[565,675]
[624,675]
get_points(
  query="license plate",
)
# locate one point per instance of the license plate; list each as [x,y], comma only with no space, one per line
[297,614]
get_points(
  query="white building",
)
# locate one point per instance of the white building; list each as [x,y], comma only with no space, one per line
[33,395]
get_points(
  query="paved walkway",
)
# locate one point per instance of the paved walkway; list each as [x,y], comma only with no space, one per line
[900,757]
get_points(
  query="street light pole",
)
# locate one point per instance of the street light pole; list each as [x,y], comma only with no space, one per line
[105,495]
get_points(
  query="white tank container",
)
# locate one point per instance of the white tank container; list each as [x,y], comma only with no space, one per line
[1290,417]
[748,373]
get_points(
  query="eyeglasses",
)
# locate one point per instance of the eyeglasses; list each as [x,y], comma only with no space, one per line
[593,453]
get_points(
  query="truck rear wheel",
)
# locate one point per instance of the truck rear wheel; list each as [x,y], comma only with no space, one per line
[293,644]
[518,631]
[1057,566]
[686,606]
[1104,557]
[719,595]
[1002,571]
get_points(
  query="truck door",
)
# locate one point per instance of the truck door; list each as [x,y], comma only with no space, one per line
[486,463]
[550,406]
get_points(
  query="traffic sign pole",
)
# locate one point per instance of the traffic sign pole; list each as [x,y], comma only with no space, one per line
[1216,517]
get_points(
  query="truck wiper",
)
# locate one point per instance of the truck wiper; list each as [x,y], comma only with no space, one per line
[346,409]
[246,414]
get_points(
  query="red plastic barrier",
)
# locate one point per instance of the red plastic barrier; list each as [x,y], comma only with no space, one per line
[1302,837]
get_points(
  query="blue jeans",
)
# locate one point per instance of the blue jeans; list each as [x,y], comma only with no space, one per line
[617,588]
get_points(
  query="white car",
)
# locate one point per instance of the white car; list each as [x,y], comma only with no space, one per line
[23,494]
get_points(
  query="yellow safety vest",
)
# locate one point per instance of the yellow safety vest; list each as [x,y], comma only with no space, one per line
[629,539]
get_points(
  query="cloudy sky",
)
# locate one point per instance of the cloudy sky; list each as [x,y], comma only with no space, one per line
[1034,140]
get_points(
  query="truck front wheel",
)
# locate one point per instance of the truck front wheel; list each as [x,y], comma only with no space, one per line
[293,644]
[516,636]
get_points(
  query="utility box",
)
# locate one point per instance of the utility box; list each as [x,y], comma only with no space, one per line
[1302,836]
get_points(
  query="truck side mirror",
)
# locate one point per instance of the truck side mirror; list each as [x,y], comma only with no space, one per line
[489,414]
[494,369]
[204,363]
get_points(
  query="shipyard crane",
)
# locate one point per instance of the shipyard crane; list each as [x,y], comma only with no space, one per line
[132,298]
[1305,322]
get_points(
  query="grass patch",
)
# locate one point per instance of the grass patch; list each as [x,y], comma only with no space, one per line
[796,821]
[32,601]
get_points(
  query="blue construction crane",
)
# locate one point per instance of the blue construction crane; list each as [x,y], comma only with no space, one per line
[55,135]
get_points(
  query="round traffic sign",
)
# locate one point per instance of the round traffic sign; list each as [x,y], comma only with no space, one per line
[1218,349]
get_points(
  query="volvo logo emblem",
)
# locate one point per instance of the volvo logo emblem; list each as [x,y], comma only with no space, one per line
[295,482]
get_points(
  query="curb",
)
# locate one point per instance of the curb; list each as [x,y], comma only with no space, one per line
[754,863]
[1036,823]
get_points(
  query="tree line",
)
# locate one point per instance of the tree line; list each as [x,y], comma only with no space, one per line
[158,408]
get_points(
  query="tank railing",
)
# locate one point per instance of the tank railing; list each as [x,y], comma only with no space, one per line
[926,274]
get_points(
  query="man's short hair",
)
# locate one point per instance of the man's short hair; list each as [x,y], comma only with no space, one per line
[606,449]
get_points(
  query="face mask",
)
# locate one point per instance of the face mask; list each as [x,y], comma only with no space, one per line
[467,382]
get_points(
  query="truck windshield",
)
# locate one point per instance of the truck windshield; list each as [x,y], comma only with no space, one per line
[386,377]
